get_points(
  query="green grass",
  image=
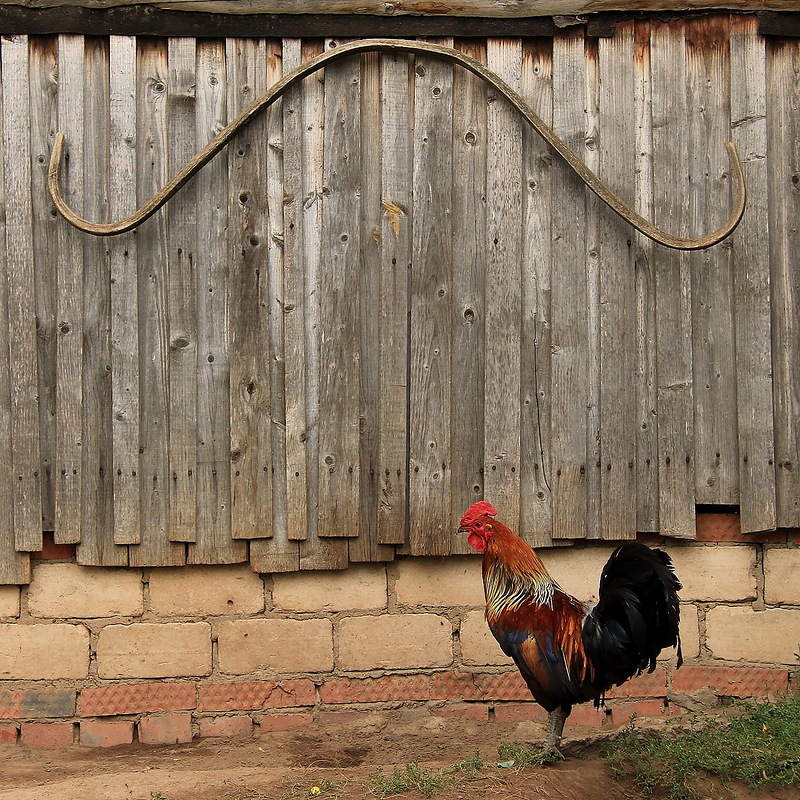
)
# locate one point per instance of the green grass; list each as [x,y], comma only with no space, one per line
[758,743]
[427,782]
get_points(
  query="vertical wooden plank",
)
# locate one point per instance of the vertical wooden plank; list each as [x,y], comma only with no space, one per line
[69,314]
[536,520]
[751,282]
[570,300]
[503,300]
[673,287]
[43,59]
[124,291]
[395,266]
[646,420]
[470,151]
[14,566]
[183,294]
[155,548]
[287,344]
[366,547]
[248,229]
[783,135]
[214,544]
[97,524]
[431,311]
[617,312]
[708,128]
[340,306]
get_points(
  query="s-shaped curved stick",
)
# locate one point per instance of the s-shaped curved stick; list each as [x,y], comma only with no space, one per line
[202,157]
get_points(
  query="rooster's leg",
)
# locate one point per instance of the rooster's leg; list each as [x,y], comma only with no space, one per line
[555,727]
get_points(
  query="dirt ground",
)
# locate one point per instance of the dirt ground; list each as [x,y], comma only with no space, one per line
[340,760]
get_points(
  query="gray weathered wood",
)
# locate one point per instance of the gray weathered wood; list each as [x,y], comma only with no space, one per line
[536,521]
[43,60]
[470,152]
[751,248]
[783,132]
[124,292]
[250,346]
[570,300]
[214,543]
[395,264]
[24,462]
[430,402]
[503,300]
[183,294]
[617,311]
[673,288]
[708,127]
[155,549]
[340,306]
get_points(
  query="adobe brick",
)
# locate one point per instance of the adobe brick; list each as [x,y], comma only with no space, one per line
[723,573]
[577,569]
[727,528]
[690,634]
[739,632]
[455,581]
[781,568]
[8,732]
[256,695]
[283,722]
[36,703]
[478,646]
[197,591]
[280,645]
[464,711]
[357,587]
[154,650]
[648,684]
[394,641]
[70,591]
[730,681]
[166,728]
[225,726]
[375,690]
[43,652]
[9,601]
[108,701]
[105,734]
[47,735]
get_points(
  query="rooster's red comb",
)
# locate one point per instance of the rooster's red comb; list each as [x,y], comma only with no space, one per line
[477,510]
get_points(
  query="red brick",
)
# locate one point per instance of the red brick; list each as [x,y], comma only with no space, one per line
[731,681]
[47,735]
[36,703]
[107,701]
[54,552]
[650,538]
[587,716]
[8,733]
[333,717]
[375,690]
[464,711]
[649,684]
[517,712]
[477,686]
[165,729]
[255,695]
[726,528]
[105,734]
[226,726]
[622,713]
[285,722]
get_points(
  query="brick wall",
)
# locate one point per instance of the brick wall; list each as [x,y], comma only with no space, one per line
[106,656]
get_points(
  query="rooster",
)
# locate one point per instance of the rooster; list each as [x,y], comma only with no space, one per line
[567,653]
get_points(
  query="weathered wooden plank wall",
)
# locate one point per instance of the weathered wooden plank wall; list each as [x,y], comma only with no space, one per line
[387,298]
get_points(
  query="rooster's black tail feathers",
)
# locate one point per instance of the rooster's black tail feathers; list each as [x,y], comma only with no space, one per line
[636,617]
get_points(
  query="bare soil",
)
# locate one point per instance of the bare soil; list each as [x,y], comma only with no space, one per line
[340,759]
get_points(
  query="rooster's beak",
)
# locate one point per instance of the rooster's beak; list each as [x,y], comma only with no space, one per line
[463,529]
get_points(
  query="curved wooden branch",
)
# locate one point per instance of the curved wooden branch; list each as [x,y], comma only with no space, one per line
[398,46]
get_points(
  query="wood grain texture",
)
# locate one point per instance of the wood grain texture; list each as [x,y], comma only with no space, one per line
[751,251]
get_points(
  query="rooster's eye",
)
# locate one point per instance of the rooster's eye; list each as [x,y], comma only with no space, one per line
[478,524]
